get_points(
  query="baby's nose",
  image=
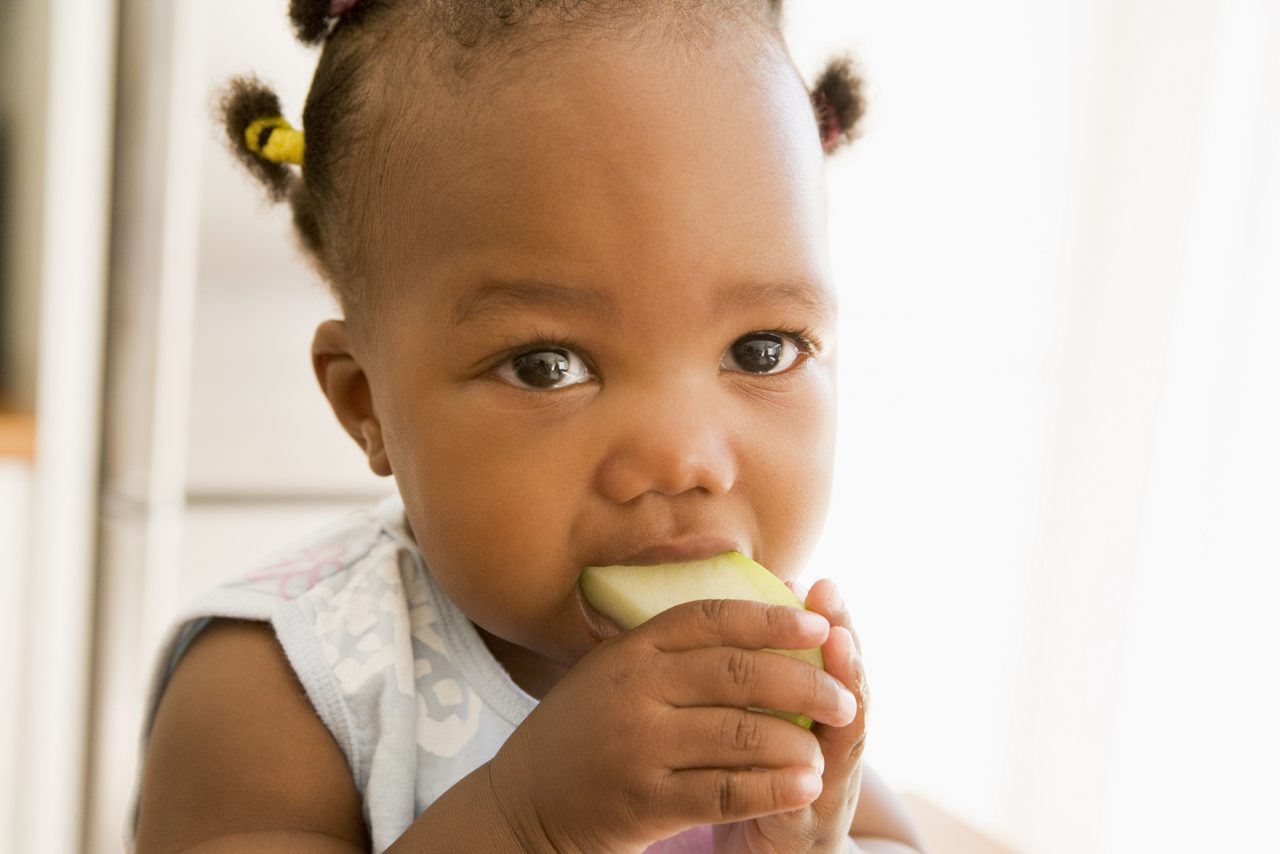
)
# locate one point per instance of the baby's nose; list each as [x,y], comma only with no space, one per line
[668,453]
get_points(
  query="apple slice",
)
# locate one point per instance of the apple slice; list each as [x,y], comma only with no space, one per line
[630,595]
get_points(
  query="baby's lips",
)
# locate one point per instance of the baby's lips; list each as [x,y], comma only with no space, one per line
[598,625]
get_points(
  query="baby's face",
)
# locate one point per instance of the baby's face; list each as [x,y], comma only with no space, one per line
[597,330]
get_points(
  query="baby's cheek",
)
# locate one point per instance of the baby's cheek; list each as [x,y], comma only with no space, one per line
[790,487]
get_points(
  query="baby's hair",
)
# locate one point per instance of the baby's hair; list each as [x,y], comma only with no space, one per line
[250,102]
[838,104]
[355,35]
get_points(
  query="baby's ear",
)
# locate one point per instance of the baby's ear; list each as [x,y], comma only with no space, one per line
[346,386]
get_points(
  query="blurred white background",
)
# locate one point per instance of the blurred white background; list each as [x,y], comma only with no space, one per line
[1057,511]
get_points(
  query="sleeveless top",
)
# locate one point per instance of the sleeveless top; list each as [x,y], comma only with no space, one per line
[397,673]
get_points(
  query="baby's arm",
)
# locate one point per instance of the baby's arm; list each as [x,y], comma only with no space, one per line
[238,761]
[881,824]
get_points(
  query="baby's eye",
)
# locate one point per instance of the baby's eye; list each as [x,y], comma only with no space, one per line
[545,369]
[761,353]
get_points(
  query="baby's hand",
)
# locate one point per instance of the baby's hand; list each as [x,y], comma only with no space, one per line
[823,825]
[648,734]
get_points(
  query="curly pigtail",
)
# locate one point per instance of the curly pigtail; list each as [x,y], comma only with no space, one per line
[269,146]
[838,104]
[260,137]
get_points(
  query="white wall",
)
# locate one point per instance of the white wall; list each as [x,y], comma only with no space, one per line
[948,222]
[258,302]
[1195,721]
[1055,509]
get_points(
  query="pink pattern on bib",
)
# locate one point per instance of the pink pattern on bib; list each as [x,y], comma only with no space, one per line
[299,572]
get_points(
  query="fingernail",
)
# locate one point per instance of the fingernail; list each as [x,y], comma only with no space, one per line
[810,785]
[811,622]
[848,705]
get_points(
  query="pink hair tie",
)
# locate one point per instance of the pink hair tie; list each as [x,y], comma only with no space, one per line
[338,8]
[828,121]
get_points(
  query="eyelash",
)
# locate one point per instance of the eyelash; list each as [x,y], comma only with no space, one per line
[809,343]
[536,342]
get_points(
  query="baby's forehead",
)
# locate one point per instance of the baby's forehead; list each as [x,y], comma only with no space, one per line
[615,163]
[590,94]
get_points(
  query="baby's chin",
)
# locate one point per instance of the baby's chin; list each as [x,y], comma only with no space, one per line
[558,643]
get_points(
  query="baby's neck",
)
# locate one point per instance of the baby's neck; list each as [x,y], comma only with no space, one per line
[534,673]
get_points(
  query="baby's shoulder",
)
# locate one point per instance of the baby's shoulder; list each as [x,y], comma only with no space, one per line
[330,598]
[346,603]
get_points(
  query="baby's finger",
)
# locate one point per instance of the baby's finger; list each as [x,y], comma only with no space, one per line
[703,737]
[715,795]
[733,622]
[841,659]
[730,676]
[842,746]
[824,598]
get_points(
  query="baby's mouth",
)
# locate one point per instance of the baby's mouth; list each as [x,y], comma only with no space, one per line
[599,626]
[684,549]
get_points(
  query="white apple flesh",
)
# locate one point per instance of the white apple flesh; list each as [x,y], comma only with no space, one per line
[629,595]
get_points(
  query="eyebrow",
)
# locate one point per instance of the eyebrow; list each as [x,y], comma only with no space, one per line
[500,296]
[496,297]
[804,293]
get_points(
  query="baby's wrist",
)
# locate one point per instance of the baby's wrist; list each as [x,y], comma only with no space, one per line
[528,835]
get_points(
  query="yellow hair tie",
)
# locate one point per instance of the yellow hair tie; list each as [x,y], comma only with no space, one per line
[284,143]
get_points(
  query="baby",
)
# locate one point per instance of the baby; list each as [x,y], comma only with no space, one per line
[588,319]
